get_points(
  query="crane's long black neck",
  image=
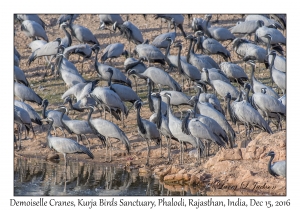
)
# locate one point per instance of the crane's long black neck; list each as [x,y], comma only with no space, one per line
[169,113]
[63,122]
[199,44]
[268,45]
[133,64]
[206,31]
[44,111]
[247,95]
[252,76]
[68,36]
[181,29]
[96,65]
[230,110]
[139,121]
[151,106]
[272,63]
[179,61]
[70,104]
[109,80]
[90,123]
[188,57]
[159,117]
[167,54]
[270,166]
[49,129]
[185,123]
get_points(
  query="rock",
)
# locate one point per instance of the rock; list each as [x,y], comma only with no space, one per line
[128,163]
[174,169]
[166,171]
[230,154]
[194,180]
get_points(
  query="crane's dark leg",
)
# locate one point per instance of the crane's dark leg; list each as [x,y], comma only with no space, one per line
[148,154]
[107,142]
[110,148]
[169,149]
[19,131]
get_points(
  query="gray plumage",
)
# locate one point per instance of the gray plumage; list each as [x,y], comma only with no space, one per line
[34,116]
[16,61]
[208,111]
[267,21]
[277,36]
[26,94]
[200,131]
[49,48]
[81,104]
[82,34]
[211,99]
[212,124]
[114,50]
[221,87]
[154,102]
[257,86]
[33,30]
[78,127]
[68,72]
[268,106]
[214,74]
[278,168]
[175,127]
[83,50]
[101,69]
[277,76]
[282,99]
[55,116]
[177,98]
[159,76]
[279,61]
[242,111]
[151,53]
[217,33]
[65,145]
[67,39]
[33,17]
[74,90]
[247,27]
[106,97]
[234,72]
[161,42]
[130,31]
[21,117]
[187,70]
[249,51]
[177,18]
[198,60]
[200,24]
[108,130]
[125,93]
[19,76]
[146,129]
[66,18]
[34,45]
[211,46]
[138,65]
[109,19]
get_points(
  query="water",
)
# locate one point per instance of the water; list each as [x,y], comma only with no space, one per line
[35,177]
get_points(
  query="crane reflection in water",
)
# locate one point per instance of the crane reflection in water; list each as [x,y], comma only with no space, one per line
[33,177]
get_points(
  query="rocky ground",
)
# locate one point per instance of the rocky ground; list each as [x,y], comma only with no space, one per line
[238,171]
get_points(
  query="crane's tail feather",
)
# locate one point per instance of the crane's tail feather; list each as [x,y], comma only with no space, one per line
[86,151]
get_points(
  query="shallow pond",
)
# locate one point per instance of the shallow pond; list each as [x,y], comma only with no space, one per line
[35,177]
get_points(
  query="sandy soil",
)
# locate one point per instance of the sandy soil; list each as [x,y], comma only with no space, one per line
[232,167]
